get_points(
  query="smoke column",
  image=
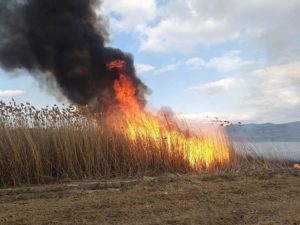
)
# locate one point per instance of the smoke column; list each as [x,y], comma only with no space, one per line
[66,39]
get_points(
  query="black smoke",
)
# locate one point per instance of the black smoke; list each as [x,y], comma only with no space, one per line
[65,38]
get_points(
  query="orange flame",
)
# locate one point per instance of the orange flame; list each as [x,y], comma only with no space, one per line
[296,166]
[124,89]
[198,151]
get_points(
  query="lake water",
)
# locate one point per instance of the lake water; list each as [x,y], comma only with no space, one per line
[287,151]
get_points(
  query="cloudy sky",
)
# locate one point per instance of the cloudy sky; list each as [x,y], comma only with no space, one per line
[237,60]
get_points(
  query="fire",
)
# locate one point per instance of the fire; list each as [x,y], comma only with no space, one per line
[198,151]
[296,166]
[125,90]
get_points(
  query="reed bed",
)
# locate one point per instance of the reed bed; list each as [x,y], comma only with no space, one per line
[58,143]
[54,143]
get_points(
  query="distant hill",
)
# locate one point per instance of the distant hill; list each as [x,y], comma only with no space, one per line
[287,132]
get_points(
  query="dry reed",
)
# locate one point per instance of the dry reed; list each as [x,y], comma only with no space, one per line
[38,146]
[56,143]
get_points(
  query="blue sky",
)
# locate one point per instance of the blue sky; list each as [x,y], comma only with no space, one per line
[237,60]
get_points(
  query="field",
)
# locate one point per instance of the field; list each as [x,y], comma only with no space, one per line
[261,197]
[69,166]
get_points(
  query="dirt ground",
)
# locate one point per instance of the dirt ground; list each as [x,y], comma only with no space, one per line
[271,197]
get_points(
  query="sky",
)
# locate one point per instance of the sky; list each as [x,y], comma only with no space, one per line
[235,60]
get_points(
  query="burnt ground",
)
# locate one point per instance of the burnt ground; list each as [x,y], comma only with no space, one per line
[269,197]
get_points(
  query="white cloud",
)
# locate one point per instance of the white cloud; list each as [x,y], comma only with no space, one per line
[216,87]
[165,69]
[176,34]
[229,61]
[274,87]
[147,68]
[182,25]
[129,15]
[11,93]
[144,68]
[196,62]
[270,94]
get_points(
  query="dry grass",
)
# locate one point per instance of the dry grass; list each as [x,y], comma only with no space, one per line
[54,143]
[222,198]
[42,146]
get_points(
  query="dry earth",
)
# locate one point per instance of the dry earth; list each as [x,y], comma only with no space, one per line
[269,197]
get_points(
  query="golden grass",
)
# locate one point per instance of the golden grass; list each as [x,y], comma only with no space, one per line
[41,146]
[54,143]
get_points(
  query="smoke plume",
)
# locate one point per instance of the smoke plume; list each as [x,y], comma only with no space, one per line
[65,38]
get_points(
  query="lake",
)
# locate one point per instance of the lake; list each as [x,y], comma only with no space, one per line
[286,151]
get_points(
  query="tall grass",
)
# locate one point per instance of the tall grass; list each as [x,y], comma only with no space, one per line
[55,143]
[37,146]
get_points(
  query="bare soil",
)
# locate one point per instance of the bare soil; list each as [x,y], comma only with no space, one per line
[268,197]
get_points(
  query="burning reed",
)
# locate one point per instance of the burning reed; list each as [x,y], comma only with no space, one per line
[39,146]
